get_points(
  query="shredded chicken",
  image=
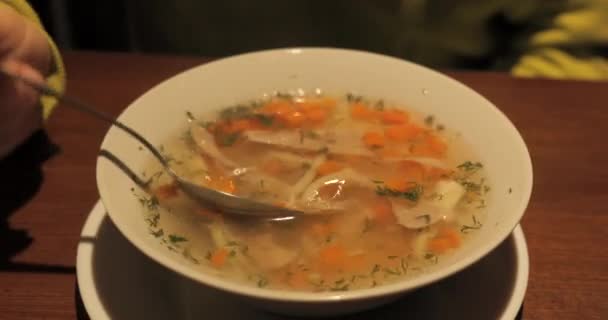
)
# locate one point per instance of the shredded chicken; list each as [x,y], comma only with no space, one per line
[206,144]
[268,254]
[426,212]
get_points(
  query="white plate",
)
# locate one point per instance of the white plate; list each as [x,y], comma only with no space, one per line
[117,281]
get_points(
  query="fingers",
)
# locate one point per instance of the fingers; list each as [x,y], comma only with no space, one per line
[16,94]
[23,40]
[20,111]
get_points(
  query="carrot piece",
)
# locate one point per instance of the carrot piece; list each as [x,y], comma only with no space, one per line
[277,107]
[447,238]
[240,125]
[437,145]
[398,183]
[430,146]
[402,132]
[360,111]
[439,245]
[389,153]
[411,171]
[328,167]
[223,184]
[373,139]
[383,211]
[451,234]
[394,117]
[332,256]
[316,115]
[166,191]
[219,257]
[293,119]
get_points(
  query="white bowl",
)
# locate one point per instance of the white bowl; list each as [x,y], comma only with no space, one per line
[160,113]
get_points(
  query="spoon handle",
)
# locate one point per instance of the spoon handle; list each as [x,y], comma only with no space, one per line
[87,109]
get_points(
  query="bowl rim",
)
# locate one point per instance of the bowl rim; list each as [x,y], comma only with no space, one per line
[315,297]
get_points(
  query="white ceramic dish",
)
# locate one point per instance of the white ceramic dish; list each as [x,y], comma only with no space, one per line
[116,281]
[160,113]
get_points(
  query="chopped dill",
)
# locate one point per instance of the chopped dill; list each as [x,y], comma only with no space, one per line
[431,257]
[413,194]
[228,139]
[175,239]
[470,166]
[158,233]
[190,116]
[351,98]
[468,228]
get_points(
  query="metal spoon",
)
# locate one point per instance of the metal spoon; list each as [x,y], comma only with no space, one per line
[223,202]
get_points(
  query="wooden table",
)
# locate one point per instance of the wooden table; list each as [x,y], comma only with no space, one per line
[565,124]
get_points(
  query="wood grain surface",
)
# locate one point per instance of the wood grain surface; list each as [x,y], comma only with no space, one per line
[564,123]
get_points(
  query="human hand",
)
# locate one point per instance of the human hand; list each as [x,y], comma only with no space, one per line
[24,49]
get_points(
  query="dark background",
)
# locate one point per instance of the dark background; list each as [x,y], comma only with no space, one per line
[83,24]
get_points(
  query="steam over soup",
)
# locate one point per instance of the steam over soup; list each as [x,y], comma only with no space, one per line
[387,192]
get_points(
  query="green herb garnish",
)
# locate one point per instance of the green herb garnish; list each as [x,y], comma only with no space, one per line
[413,194]
[175,239]
[226,140]
[470,166]
[468,228]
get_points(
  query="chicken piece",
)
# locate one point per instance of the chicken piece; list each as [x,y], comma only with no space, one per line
[267,254]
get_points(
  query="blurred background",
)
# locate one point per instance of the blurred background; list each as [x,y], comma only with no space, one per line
[550,38]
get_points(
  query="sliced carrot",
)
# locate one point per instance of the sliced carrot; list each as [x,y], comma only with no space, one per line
[383,211]
[430,146]
[447,238]
[241,125]
[293,119]
[398,183]
[373,139]
[222,183]
[451,234]
[316,115]
[437,144]
[219,257]
[402,132]
[394,116]
[332,256]
[166,191]
[360,111]
[411,171]
[328,167]
[277,107]
[439,245]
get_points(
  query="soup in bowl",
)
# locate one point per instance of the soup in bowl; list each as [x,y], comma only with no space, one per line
[404,177]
